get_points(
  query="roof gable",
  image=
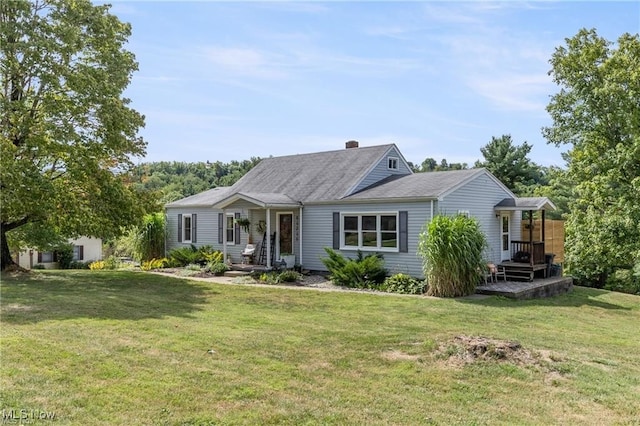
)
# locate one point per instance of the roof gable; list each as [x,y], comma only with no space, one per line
[321,176]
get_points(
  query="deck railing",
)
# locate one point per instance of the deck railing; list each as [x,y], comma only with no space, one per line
[534,251]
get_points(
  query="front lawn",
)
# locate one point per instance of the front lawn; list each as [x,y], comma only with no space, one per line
[103,348]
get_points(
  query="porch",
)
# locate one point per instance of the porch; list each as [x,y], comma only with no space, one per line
[528,259]
[535,289]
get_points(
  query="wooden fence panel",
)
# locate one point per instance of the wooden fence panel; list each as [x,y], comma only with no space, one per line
[554,236]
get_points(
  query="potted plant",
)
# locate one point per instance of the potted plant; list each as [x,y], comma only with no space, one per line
[261,227]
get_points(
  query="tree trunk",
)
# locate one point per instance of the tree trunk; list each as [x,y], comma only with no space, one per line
[6,260]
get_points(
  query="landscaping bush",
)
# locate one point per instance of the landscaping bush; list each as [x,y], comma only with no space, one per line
[451,249]
[154,264]
[185,255]
[216,268]
[362,272]
[97,265]
[78,264]
[624,281]
[279,277]
[403,283]
[149,237]
[65,255]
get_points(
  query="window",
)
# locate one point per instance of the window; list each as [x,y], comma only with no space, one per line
[46,257]
[370,231]
[231,229]
[78,253]
[186,228]
[392,163]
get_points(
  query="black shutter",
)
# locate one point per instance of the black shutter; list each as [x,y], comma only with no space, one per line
[194,227]
[55,256]
[236,230]
[336,230]
[403,234]
[39,257]
[81,253]
[221,228]
[179,228]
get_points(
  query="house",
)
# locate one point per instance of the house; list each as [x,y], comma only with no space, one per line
[358,198]
[85,249]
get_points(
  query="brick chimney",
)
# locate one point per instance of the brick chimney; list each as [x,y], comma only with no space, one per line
[351,144]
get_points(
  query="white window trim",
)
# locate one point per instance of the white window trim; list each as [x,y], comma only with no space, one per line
[360,247]
[231,215]
[184,228]
[396,161]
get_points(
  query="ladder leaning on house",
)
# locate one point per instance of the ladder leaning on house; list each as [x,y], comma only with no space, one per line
[262,257]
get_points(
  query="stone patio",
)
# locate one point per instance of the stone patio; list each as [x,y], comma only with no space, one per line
[538,288]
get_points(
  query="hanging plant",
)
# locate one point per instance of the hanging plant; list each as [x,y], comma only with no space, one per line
[244,223]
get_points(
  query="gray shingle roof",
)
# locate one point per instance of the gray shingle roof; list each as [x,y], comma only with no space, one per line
[321,176]
[418,185]
[525,203]
[206,198]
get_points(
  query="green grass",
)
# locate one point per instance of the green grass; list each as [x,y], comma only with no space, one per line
[103,348]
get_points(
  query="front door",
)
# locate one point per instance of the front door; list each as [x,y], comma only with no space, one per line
[285,233]
[505,236]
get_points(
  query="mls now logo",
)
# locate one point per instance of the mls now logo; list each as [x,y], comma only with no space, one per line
[25,415]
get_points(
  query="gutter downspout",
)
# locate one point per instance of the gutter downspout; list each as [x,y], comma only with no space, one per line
[224,235]
[431,218]
[268,238]
[300,233]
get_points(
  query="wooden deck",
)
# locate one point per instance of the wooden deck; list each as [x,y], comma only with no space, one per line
[536,289]
[520,271]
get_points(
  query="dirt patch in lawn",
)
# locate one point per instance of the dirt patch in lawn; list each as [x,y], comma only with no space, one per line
[463,350]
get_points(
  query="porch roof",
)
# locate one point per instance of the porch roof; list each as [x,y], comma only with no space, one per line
[525,203]
[263,200]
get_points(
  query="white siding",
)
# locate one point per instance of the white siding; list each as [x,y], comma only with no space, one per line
[381,171]
[92,251]
[478,197]
[318,225]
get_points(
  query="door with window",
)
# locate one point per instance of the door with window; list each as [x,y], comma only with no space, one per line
[505,236]
[285,233]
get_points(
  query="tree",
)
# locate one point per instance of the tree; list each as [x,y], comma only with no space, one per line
[510,164]
[66,133]
[597,113]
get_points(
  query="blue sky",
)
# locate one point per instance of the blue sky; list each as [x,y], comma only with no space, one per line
[224,81]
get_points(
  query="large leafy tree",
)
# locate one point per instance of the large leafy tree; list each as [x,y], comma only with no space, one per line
[66,131]
[510,164]
[597,113]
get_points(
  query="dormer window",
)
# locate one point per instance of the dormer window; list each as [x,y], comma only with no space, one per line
[392,163]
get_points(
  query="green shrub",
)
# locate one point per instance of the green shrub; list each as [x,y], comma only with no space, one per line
[185,255]
[78,264]
[624,281]
[362,272]
[193,267]
[65,255]
[403,283]
[452,252]
[38,266]
[216,268]
[288,277]
[279,277]
[112,262]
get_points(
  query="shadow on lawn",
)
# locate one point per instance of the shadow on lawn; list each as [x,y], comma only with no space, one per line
[580,296]
[41,296]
